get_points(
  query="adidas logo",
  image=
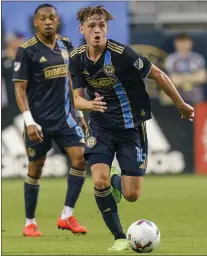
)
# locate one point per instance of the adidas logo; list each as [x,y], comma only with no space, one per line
[43,59]
[85,72]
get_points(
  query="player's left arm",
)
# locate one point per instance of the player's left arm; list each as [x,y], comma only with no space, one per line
[146,69]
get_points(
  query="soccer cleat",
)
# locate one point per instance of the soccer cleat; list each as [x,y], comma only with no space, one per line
[71,224]
[119,245]
[116,194]
[31,230]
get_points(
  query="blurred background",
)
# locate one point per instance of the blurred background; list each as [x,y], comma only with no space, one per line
[172,35]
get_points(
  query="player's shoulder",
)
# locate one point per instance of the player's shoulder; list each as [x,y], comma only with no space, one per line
[78,51]
[66,41]
[29,43]
[63,38]
[115,46]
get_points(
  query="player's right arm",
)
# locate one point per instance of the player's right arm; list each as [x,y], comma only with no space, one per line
[20,78]
[80,102]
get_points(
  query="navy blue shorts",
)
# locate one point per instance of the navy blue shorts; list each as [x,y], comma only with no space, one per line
[65,137]
[130,146]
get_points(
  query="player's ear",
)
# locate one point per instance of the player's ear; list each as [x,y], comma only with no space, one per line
[35,22]
[81,29]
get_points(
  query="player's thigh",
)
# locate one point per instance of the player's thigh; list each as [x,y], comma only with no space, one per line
[75,154]
[71,141]
[131,187]
[132,158]
[69,137]
[36,150]
[99,148]
[99,152]
[36,153]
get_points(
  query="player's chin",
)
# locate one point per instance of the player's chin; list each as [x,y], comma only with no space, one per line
[97,43]
[49,32]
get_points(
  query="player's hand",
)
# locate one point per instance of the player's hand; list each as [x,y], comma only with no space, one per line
[186,111]
[83,124]
[98,104]
[35,133]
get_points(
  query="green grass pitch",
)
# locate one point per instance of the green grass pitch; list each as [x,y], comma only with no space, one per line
[177,204]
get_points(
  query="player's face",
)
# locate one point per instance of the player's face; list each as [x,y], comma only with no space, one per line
[46,21]
[95,30]
[183,45]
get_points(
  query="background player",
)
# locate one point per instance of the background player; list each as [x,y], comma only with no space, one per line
[113,75]
[42,93]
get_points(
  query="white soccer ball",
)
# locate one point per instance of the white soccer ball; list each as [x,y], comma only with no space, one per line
[143,236]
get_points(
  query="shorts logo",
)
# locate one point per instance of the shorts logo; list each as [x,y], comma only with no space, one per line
[108,70]
[31,152]
[17,66]
[91,142]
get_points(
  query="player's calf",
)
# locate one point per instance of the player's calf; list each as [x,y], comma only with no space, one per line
[131,187]
[31,191]
[75,181]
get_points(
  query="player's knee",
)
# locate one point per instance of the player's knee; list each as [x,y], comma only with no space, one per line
[79,162]
[35,168]
[101,183]
[131,196]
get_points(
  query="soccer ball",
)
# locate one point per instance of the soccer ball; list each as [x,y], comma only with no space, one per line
[143,236]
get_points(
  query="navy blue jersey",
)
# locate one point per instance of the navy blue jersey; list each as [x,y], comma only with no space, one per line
[46,71]
[117,76]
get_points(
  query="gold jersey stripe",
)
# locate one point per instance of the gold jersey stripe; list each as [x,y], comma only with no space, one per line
[78,51]
[116,45]
[28,41]
[79,48]
[114,50]
[29,44]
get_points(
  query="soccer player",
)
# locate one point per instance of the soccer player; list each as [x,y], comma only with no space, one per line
[42,93]
[113,75]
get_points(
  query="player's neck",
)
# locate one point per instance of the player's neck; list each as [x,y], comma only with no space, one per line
[94,53]
[49,41]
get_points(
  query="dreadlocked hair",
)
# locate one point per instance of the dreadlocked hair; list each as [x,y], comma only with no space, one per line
[89,11]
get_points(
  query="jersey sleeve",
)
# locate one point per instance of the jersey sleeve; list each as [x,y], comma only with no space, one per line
[139,63]
[21,65]
[76,74]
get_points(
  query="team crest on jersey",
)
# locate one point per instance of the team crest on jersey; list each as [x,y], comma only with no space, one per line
[139,64]
[31,152]
[17,66]
[91,142]
[108,70]
[65,54]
